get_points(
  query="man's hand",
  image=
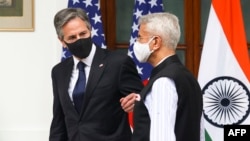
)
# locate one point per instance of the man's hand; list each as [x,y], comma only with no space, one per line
[128,102]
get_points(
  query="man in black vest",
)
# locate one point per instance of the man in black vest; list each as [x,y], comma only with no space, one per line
[170,107]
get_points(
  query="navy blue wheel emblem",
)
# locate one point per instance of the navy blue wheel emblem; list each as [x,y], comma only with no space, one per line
[225,101]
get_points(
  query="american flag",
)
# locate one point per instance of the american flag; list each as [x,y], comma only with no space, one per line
[92,7]
[142,7]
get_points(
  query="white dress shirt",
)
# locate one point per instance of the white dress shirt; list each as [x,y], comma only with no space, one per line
[161,103]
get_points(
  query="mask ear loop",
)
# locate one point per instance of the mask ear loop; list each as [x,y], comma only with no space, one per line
[151,51]
[151,39]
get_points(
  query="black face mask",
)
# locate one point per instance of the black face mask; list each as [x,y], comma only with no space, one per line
[80,48]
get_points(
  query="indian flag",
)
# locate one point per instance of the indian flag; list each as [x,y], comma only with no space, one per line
[224,71]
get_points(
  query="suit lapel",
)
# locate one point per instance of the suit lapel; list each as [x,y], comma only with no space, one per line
[96,71]
[67,71]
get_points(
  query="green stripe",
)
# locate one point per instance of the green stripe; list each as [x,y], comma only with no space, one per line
[207,137]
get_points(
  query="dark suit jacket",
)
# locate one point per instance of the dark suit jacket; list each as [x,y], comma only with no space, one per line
[189,106]
[111,77]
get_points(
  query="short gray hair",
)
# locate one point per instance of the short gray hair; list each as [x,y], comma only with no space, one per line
[63,16]
[165,25]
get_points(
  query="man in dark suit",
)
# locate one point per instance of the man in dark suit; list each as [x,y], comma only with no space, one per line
[98,114]
[170,107]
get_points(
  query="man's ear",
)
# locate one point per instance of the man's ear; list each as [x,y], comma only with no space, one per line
[157,42]
[62,42]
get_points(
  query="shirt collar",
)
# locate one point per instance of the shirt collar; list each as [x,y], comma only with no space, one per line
[164,59]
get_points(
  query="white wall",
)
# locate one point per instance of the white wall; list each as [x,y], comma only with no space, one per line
[26,59]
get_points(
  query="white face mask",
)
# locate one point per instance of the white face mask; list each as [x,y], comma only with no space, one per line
[142,51]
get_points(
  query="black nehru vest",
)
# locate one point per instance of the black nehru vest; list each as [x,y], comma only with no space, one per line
[189,106]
